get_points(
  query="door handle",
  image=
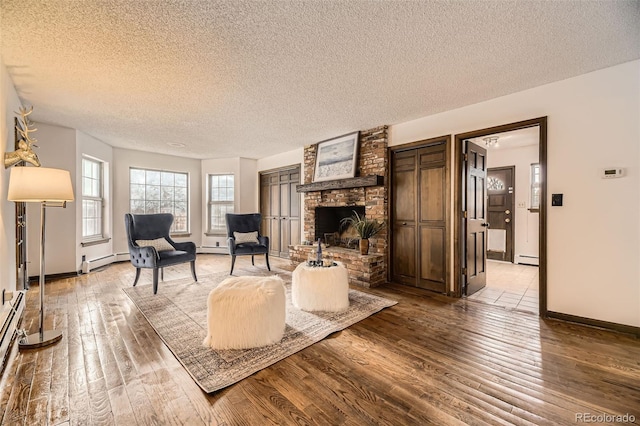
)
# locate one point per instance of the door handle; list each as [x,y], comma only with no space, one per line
[507,220]
[485,224]
[404,223]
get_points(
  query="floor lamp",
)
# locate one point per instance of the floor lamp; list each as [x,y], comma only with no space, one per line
[50,188]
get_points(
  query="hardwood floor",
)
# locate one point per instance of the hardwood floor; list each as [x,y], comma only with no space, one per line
[427,360]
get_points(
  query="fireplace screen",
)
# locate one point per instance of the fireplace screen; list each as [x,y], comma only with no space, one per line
[329,227]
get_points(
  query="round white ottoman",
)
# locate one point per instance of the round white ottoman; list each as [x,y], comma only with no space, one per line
[246,312]
[316,288]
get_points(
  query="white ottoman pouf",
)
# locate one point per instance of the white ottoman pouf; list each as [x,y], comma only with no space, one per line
[316,288]
[246,312]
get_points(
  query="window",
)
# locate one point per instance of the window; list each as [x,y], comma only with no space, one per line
[221,201]
[155,191]
[536,179]
[92,201]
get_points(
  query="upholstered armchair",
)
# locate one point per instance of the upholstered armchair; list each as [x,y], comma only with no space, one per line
[244,239]
[151,247]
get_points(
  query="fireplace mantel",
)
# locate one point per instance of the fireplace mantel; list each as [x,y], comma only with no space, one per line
[356,182]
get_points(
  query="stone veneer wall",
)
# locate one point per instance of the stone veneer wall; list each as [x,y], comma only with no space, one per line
[373,160]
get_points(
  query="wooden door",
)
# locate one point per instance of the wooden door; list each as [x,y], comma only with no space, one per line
[418,217]
[476,224]
[404,205]
[270,210]
[500,211]
[280,209]
[289,210]
[431,214]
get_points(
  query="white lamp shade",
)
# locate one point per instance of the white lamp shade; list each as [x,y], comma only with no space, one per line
[38,184]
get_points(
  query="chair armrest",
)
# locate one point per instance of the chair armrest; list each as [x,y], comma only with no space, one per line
[231,243]
[143,257]
[187,246]
[264,240]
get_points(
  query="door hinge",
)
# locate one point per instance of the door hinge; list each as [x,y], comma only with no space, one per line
[464,271]
[465,156]
[464,214]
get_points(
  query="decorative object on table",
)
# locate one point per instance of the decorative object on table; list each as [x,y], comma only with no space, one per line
[24,149]
[365,228]
[178,313]
[319,252]
[50,188]
[150,245]
[337,158]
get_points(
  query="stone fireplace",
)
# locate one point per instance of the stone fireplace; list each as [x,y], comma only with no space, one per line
[366,193]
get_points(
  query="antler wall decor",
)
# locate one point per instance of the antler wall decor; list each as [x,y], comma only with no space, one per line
[25,144]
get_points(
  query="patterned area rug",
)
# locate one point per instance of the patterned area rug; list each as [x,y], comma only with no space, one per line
[178,313]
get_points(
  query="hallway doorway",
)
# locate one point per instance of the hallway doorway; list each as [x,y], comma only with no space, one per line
[508,250]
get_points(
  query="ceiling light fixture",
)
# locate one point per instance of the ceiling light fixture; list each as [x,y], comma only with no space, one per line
[491,141]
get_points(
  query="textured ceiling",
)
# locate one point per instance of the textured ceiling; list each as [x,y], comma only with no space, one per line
[252,79]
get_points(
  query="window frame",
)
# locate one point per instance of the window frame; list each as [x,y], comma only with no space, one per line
[94,238]
[173,232]
[535,187]
[219,231]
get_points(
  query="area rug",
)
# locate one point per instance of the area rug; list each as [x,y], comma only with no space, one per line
[178,313]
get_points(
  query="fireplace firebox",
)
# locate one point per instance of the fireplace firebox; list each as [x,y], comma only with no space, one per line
[328,225]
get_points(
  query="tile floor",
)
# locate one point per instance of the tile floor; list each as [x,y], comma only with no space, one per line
[510,285]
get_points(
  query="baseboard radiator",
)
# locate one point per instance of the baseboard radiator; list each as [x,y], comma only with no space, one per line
[524,259]
[10,318]
[89,265]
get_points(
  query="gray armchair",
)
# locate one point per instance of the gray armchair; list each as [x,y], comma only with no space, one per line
[245,225]
[151,247]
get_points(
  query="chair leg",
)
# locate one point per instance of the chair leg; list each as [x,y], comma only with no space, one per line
[155,280]
[161,274]
[233,262]
[252,262]
[193,270]
[266,257]
[137,276]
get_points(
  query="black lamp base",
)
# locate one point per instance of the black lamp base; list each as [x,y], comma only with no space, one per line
[35,340]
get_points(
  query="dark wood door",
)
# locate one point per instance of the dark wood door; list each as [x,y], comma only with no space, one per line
[476,224]
[500,210]
[280,209]
[419,217]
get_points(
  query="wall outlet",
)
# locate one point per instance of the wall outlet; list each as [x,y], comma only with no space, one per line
[217,243]
[522,204]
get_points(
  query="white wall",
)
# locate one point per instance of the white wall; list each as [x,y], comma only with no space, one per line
[92,147]
[56,149]
[9,103]
[526,223]
[593,241]
[215,167]
[123,159]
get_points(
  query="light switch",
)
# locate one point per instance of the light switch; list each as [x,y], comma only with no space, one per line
[556,199]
